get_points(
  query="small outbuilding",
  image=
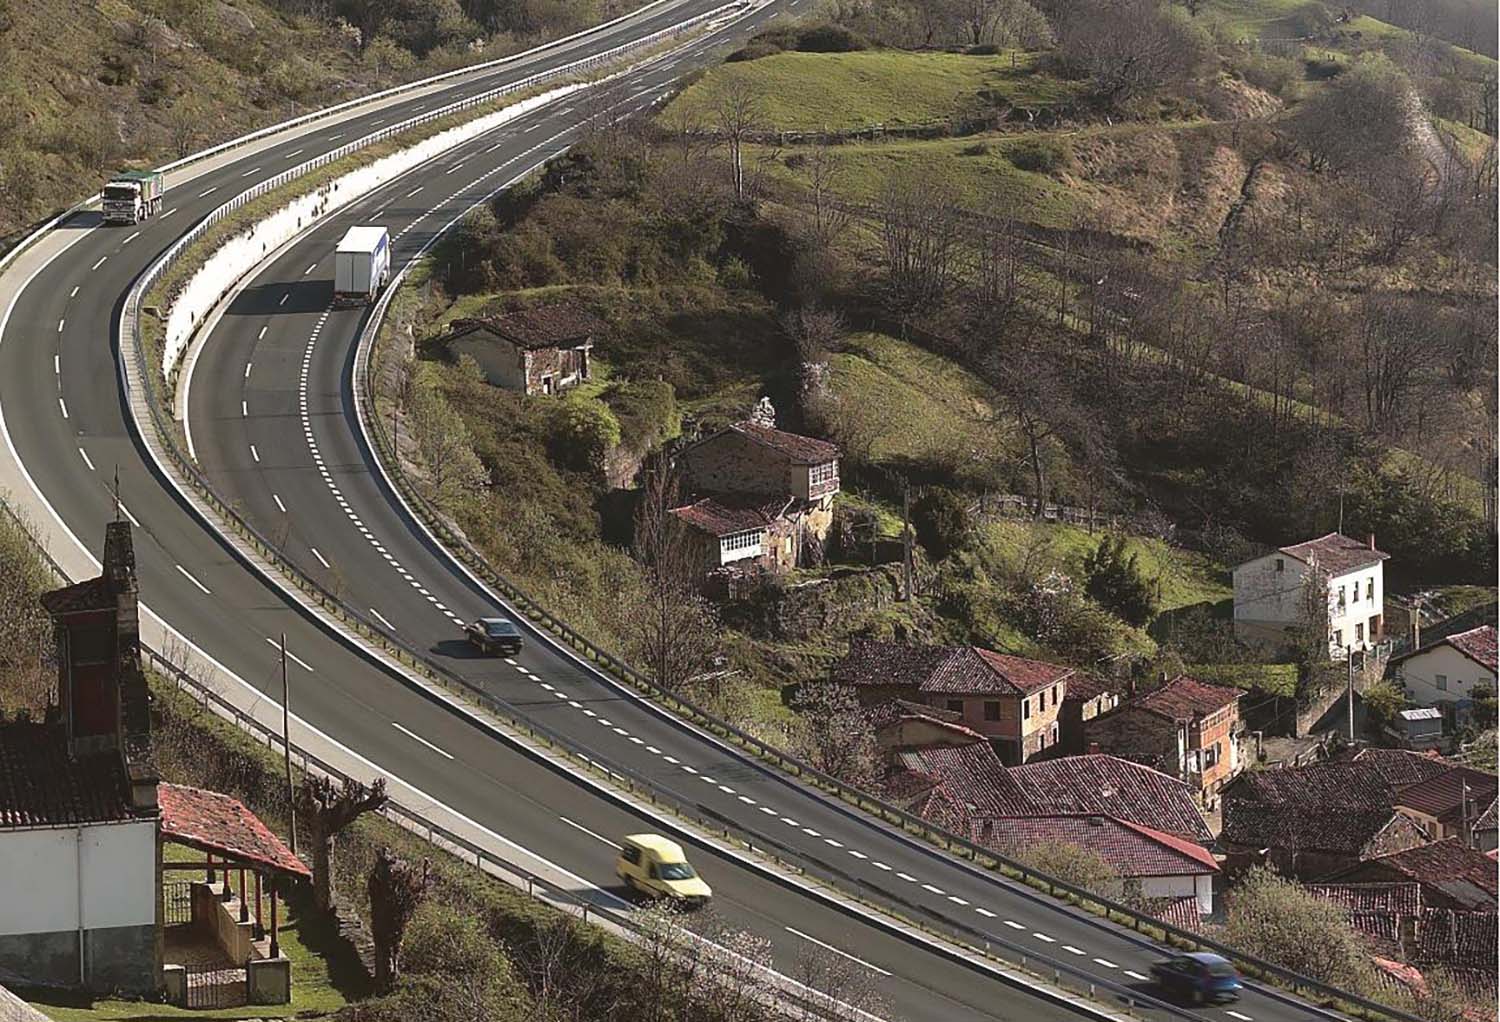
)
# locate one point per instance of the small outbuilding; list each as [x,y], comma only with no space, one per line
[544,350]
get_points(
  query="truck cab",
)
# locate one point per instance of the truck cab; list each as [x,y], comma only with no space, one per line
[132,196]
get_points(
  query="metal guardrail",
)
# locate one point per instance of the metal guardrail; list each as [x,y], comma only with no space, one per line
[602,659]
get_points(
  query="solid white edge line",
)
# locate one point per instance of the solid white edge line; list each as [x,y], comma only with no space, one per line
[190,578]
[321,559]
[593,834]
[412,734]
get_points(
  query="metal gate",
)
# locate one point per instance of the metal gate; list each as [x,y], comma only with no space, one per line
[177,902]
[216,988]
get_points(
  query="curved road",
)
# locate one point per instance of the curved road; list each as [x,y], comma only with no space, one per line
[308,474]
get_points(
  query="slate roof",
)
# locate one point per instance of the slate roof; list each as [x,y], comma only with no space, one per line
[1441,796]
[726,514]
[973,777]
[958,670]
[1183,699]
[1336,553]
[1448,866]
[802,450]
[545,326]
[1129,849]
[1306,828]
[90,594]
[212,822]
[42,786]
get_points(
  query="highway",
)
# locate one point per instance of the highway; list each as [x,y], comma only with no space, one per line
[308,476]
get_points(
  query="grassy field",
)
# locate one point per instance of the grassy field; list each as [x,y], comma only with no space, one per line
[841,91]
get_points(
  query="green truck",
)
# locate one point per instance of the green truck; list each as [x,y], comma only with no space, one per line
[133,195]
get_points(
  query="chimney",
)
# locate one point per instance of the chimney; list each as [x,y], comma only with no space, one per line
[1372,541]
[1416,626]
[1093,748]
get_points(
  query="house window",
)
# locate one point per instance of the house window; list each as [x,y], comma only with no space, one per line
[1280,564]
[1338,636]
[1359,631]
[740,541]
[1370,589]
[1441,681]
[1356,592]
[824,473]
[1025,709]
[956,705]
[1342,596]
[992,709]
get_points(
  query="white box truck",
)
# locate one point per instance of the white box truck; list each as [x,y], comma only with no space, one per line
[361,265]
[133,195]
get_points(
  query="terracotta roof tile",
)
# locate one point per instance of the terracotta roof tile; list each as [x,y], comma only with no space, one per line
[1336,553]
[1306,828]
[1179,912]
[1457,940]
[1129,849]
[221,824]
[725,514]
[1398,767]
[1085,685]
[1478,644]
[895,709]
[545,326]
[802,450]
[951,669]
[42,786]
[1442,796]
[1321,786]
[1184,698]
[1447,866]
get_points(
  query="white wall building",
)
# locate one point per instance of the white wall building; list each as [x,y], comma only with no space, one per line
[1448,670]
[1271,593]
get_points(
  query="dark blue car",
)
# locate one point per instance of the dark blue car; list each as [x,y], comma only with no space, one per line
[1199,977]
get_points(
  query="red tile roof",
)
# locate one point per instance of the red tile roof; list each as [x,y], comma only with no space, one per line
[1478,644]
[42,786]
[802,450]
[1441,864]
[1458,940]
[1441,797]
[217,823]
[1129,849]
[1179,912]
[1305,828]
[1320,786]
[726,514]
[545,326]
[1183,699]
[1085,685]
[951,669]
[1336,553]
[974,779]
[1398,767]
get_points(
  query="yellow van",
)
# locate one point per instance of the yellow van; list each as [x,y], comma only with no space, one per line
[656,866]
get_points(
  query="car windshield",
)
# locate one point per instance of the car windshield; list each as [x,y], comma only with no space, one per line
[499,628]
[1221,969]
[119,192]
[677,871]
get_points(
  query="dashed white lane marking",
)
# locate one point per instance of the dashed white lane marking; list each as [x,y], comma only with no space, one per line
[279,505]
[381,618]
[790,822]
[726,789]
[252,170]
[832,843]
[589,713]
[57,364]
[415,190]
[284,298]
[64,406]
[575,704]
[291,656]
[810,832]
[204,195]
[168,213]
[305,272]
[593,834]
[376,215]
[838,951]
[73,293]
[1014,925]
[653,750]
[1106,963]
[128,240]
[1070,949]
[254,454]
[956,900]
[99,263]
[60,324]
[907,877]
[636,741]
[931,889]
[193,580]
[412,734]
[985,912]
[86,460]
[456,166]
[321,559]
[1044,938]
[335,138]
[858,854]
[244,410]
[295,152]
[126,512]
[262,335]
[768,810]
[1136,975]
[688,769]
[247,369]
[672,759]
[1234,1014]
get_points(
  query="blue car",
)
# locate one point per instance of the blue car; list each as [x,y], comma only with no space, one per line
[1199,977]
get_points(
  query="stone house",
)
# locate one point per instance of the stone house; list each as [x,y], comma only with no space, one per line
[762,497]
[543,350]
[1445,673]
[902,724]
[1012,701]
[1087,696]
[1271,593]
[1186,728]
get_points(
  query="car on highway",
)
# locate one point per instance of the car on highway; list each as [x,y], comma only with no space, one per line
[494,635]
[1200,976]
[656,866]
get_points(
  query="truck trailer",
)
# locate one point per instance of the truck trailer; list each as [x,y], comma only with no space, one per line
[361,265]
[133,195]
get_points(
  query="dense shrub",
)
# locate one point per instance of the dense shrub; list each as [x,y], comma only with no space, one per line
[941,520]
[828,38]
[646,411]
[1039,155]
[1116,581]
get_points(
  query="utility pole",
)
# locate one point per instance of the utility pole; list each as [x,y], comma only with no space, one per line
[286,745]
[906,538]
[1463,825]
[1349,660]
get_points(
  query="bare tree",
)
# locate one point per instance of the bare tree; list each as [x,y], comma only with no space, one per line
[919,221]
[840,735]
[396,887]
[829,216]
[737,115]
[325,810]
[1130,48]
[1399,346]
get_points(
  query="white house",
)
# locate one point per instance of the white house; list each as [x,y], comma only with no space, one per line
[1448,670]
[1271,593]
